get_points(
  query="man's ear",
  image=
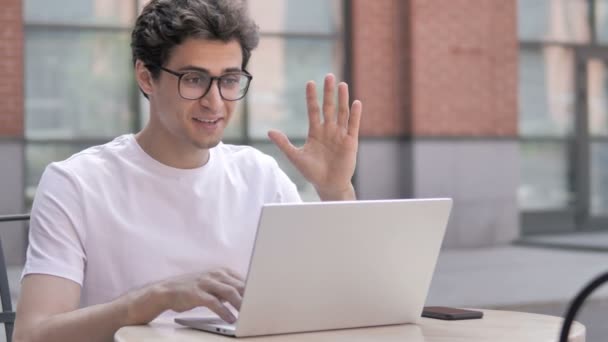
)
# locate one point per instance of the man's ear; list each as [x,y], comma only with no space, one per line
[143,76]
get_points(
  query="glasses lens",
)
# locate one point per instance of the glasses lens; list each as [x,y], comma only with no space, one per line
[233,86]
[193,85]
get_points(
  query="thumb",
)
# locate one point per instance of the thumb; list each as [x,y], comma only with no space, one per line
[282,142]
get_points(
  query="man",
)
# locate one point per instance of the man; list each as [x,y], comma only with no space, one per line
[165,219]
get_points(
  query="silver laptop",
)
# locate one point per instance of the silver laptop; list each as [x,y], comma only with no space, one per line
[336,265]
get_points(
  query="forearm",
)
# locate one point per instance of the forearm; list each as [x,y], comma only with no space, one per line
[94,323]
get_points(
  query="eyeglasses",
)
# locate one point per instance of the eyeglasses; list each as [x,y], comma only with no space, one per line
[194,85]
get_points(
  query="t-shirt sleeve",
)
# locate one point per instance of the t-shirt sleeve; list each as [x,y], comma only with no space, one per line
[56,236]
[287,192]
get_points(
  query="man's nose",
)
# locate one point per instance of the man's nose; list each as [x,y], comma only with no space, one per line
[212,99]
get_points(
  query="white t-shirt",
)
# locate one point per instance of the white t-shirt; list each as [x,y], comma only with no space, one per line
[112,218]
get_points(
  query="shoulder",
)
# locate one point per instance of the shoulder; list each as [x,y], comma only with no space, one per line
[259,171]
[246,156]
[92,161]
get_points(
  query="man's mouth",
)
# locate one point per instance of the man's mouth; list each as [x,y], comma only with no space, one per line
[207,121]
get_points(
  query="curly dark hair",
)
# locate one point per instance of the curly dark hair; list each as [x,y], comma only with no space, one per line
[163,24]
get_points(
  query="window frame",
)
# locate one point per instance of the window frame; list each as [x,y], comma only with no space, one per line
[343,37]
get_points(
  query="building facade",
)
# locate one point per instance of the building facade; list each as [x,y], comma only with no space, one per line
[469,99]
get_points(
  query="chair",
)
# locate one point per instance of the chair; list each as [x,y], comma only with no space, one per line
[577,304]
[7,316]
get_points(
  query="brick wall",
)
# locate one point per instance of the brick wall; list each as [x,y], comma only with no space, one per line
[464,67]
[11,69]
[436,67]
[380,64]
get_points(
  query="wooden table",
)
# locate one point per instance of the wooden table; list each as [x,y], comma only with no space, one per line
[496,326]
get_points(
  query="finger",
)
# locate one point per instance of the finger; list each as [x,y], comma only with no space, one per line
[226,293]
[234,282]
[314,115]
[223,275]
[328,98]
[215,305]
[282,142]
[234,274]
[343,105]
[355,118]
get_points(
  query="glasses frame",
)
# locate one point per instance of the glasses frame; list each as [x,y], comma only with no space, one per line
[180,75]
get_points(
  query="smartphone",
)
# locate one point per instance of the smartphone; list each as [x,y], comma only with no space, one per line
[450,314]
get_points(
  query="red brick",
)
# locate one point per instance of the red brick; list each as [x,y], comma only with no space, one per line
[436,67]
[11,69]
[377,69]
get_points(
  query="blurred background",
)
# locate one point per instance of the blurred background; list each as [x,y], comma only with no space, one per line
[499,104]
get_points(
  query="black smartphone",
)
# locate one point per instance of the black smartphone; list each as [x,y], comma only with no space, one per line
[450,314]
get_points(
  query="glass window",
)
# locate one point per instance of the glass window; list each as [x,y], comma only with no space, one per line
[597,102]
[599,179]
[78,84]
[301,41]
[553,20]
[310,16]
[144,111]
[39,155]
[597,97]
[97,12]
[306,190]
[546,91]
[281,68]
[234,130]
[545,183]
[601,20]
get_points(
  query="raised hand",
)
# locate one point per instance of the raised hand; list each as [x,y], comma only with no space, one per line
[328,158]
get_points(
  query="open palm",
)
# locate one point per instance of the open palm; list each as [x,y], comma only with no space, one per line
[329,155]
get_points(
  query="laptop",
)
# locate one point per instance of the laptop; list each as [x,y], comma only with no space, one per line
[336,265]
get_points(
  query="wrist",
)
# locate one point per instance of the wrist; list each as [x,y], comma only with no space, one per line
[145,304]
[344,194]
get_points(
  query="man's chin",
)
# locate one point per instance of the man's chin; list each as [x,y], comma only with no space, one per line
[205,145]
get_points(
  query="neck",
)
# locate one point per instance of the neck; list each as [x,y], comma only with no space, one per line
[167,149]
